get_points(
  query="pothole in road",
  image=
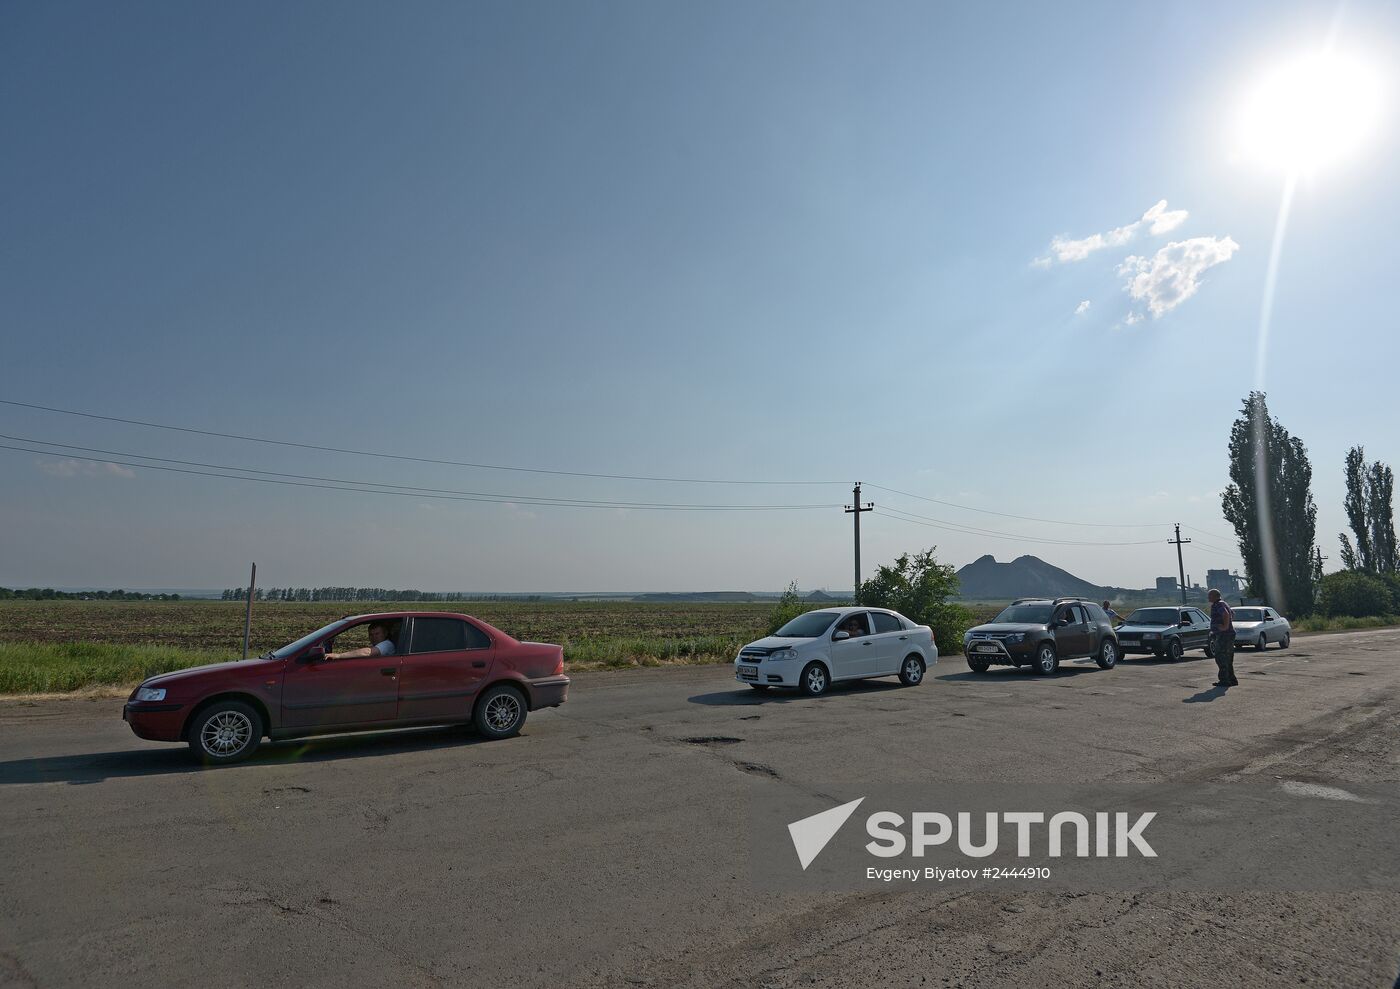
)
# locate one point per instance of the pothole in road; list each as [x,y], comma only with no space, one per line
[1356,673]
[756,769]
[712,740]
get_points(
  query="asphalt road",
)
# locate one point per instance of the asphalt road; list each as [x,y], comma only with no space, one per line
[606,846]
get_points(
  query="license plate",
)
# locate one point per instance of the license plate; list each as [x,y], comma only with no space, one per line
[987,648]
[748,671]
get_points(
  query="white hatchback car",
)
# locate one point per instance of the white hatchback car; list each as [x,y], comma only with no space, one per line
[816,649]
[1259,627]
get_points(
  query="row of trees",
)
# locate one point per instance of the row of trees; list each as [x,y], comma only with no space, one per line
[49,594]
[362,594]
[1270,504]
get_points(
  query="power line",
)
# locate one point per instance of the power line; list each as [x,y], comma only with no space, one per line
[396,456]
[1024,518]
[401,487]
[1213,535]
[529,501]
[903,516]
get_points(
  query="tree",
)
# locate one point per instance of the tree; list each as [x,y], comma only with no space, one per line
[918,587]
[1269,502]
[1370,514]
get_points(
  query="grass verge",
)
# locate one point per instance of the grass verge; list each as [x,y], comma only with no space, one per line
[1319,624]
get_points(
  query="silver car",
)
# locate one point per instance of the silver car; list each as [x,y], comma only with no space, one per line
[1259,627]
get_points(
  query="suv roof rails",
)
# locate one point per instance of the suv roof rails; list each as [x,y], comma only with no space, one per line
[1026,600]
[1072,597]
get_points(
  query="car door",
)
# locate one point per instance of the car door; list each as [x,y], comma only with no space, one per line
[853,657]
[447,660]
[1072,640]
[1200,629]
[323,693]
[891,638]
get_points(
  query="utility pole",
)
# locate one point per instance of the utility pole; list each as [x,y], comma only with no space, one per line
[855,509]
[1180,565]
[248,619]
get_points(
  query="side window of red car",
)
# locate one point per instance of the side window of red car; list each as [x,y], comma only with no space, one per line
[439,635]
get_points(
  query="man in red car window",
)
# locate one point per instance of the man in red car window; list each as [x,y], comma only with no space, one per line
[1222,639]
[380,645]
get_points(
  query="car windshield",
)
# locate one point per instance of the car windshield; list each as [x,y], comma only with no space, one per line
[808,626]
[1025,614]
[292,648]
[1249,615]
[1154,616]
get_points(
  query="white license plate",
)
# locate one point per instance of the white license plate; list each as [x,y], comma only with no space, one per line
[748,671]
[987,648]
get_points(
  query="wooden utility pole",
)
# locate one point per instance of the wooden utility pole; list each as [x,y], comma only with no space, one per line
[1180,565]
[248,618]
[855,509]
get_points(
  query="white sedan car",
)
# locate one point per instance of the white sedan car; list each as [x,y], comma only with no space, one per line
[815,650]
[1261,627]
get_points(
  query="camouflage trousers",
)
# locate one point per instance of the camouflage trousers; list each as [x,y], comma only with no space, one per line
[1222,647]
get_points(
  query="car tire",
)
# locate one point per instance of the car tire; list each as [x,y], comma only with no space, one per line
[225,732]
[1262,644]
[500,712]
[758,686]
[1174,650]
[1210,653]
[911,673]
[815,680]
[1283,642]
[1108,655]
[978,665]
[1046,660]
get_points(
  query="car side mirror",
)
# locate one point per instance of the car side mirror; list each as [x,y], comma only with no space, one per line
[315,654]
[840,635]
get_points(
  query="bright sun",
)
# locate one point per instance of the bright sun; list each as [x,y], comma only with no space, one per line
[1309,112]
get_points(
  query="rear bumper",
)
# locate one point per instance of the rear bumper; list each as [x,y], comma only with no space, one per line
[549,691]
[156,722]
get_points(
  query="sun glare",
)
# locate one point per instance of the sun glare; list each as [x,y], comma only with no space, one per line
[1310,112]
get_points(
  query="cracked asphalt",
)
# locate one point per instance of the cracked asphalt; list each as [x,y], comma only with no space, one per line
[607,845]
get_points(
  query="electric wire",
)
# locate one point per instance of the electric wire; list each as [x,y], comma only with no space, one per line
[1023,518]
[402,457]
[416,493]
[954,527]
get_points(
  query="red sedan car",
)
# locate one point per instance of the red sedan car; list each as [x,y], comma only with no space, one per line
[436,668]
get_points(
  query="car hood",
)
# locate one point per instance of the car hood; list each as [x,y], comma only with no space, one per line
[252,667]
[1248,625]
[1145,628]
[1005,627]
[771,642]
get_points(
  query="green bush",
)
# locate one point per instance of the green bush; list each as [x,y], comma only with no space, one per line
[918,587]
[1350,593]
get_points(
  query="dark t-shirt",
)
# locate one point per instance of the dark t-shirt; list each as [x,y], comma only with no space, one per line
[1222,619]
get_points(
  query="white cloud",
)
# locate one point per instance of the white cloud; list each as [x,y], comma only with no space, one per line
[76,468]
[1158,220]
[1173,274]
[1082,308]
[1131,318]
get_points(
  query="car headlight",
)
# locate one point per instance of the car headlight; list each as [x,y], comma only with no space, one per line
[1015,637]
[783,654]
[1151,635]
[151,694]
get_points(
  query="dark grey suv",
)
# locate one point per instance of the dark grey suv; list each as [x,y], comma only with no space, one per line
[1039,632]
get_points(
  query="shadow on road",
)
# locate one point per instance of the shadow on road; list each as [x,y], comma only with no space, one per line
[96,767]
[1006,675]
[1139,659]
[1205,696]
[748,697]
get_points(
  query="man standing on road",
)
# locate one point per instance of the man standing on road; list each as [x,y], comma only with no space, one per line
[1113,616]
[1222,639]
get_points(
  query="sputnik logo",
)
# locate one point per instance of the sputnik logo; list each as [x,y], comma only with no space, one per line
[811,834]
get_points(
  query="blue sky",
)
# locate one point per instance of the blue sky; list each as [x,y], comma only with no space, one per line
[764,241]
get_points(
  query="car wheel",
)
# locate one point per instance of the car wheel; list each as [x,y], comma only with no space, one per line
[814,680]
[225,732]
[911,674]
[1283,642]
[1108,655]
[1210,653]
[978,665]
[1174,650]
[1046,660]
[759,686]
[500,712]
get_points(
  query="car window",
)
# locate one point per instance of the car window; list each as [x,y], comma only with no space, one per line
[1081,614]
[886,623]
[1268,614]
[1066,614]
[1096,614]
[438,635]
[1199,616]
[1186,617]
[855,625]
